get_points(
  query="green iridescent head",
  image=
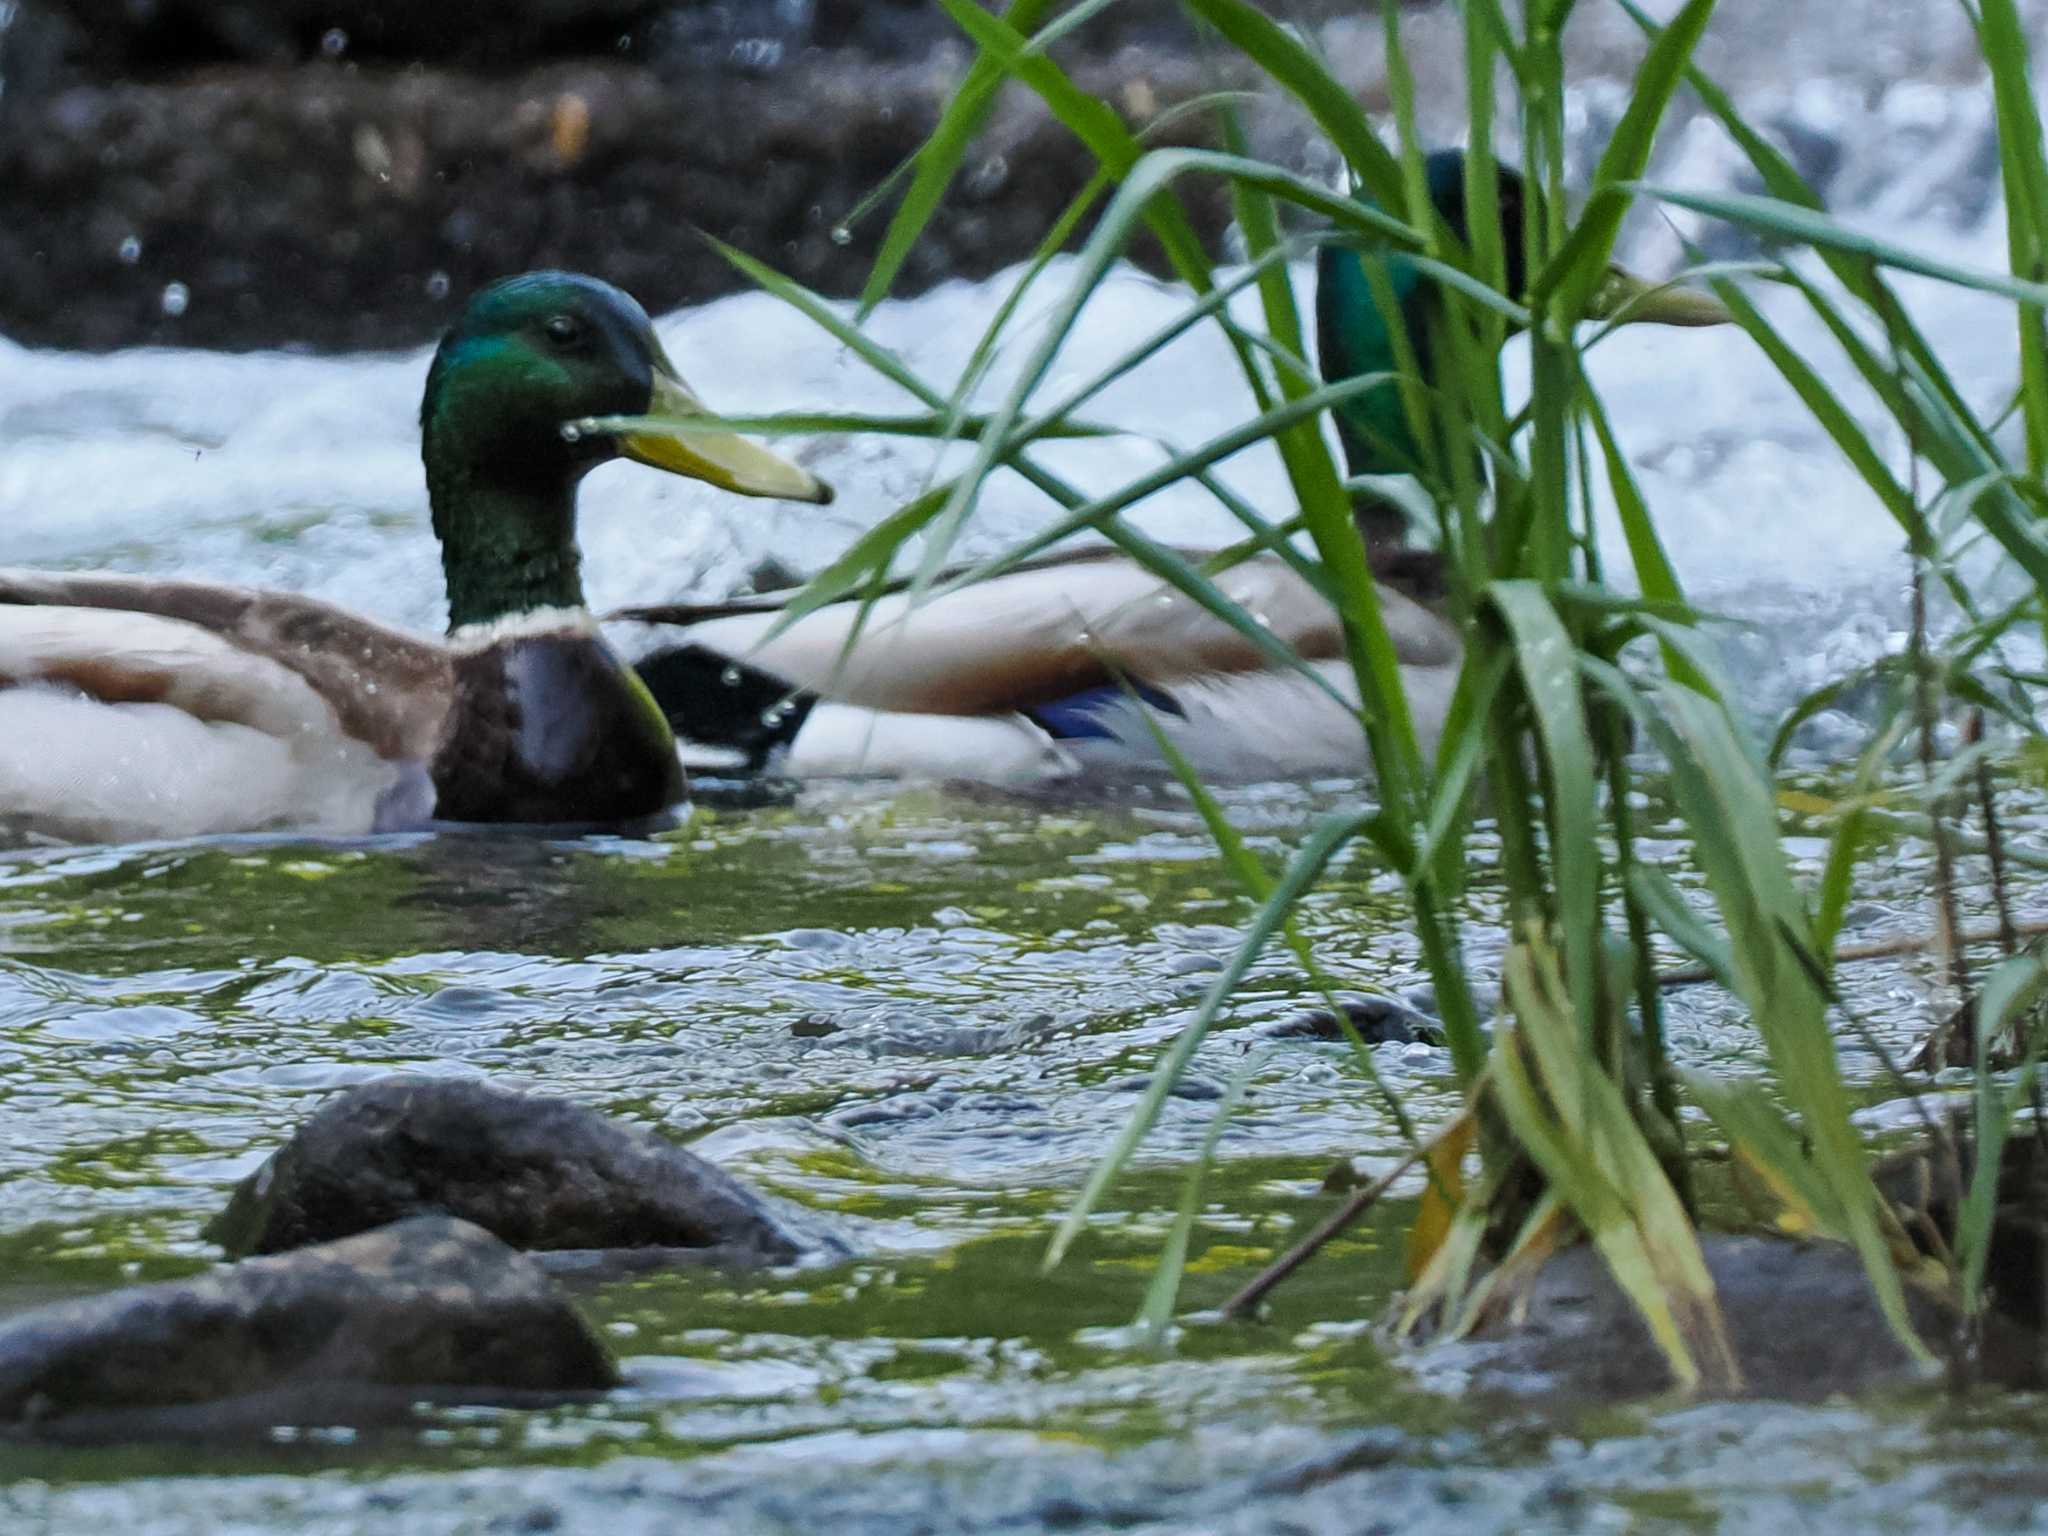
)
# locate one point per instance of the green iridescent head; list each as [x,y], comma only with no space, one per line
[528,358]
[1354,337]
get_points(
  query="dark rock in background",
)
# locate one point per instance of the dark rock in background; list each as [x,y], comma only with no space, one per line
[343,208]
[111,36]
[156,35]
[428,1304]
[538,1173]
[343,173]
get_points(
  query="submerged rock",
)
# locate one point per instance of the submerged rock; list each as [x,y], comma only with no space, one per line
[539,1173]
[1801,1320]
[1926,1184]
[1378,1021]
[429,1304]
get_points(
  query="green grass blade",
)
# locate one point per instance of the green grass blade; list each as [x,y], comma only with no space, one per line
[1828,410]
[983,357]
[1758,1129]
[2025,174]
[1731,809]
[1804,226]
[1674,914]
[1285,61]
[821,313]
[1655,574]
[1572,1119]
[942,425]
[1577,271]
[939,160]
[1164,1291]
[1782,180]
[1851,839]
[2011,990]
[1545,652]
[1302,871]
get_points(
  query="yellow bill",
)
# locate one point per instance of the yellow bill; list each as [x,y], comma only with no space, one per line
[723,459]
[1628,299]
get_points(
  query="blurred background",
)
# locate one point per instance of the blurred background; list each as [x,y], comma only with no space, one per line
[341,173]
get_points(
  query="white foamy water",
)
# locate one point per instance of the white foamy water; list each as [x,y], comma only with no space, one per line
[303,472]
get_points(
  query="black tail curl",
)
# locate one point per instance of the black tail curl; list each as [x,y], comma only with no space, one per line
[714,701]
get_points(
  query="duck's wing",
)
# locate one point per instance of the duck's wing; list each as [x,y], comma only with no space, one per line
[133,708]
[388,689]
[1231,727]
[1033,636]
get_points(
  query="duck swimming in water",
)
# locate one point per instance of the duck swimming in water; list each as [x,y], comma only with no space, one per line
[136,707]
[1042,672]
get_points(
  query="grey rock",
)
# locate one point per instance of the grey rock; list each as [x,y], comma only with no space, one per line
[1197,1090]
[1801,1321]
[1926,1183]
[539,1173]
[427,1305]
[1378,1021]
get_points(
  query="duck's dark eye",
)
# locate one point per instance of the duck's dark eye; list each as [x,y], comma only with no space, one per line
[564,330]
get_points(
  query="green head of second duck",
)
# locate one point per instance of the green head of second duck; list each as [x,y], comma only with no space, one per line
[528,357]
[1355,335]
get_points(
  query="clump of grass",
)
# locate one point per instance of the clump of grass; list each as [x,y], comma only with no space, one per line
[1572,1117]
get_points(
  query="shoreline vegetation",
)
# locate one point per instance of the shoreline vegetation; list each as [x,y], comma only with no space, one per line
[1579,693]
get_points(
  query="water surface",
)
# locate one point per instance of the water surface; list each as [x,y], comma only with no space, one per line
[924,1013]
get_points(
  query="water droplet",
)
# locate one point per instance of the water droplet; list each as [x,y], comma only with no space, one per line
[1164,599]
[334,42]
[988,178]
[730,677]
[571,432]
[437,285]
[130,251]
[841,235]
[756,55]
[774,715]
[176,298]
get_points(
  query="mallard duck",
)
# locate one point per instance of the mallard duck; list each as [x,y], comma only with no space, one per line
[133,707]
[1042,672]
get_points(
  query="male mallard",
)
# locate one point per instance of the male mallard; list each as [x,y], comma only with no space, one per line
[135,707]
[1024,676]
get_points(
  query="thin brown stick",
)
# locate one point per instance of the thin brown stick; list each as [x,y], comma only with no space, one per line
[1307,1248]
[1885,949]
[1994,846]
[2008,931]
[1946,1045]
